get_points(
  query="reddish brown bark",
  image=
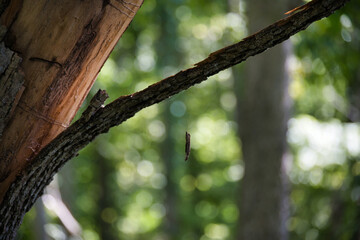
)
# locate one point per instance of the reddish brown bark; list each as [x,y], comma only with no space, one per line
[63,45]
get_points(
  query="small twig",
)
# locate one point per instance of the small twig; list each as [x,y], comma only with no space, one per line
[187,145]
[95,104]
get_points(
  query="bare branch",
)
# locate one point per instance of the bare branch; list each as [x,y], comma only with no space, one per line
[30,183]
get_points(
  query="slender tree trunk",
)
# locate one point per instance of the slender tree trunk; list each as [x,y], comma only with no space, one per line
[63,44]
[40,221]
[106,229]
[168,57]
[263,119]
[171,225]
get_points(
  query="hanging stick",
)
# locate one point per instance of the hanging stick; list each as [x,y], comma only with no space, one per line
[187,145]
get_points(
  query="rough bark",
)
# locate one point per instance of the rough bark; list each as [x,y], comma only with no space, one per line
[29,185]
[63,44]
[11,81]
[264,107]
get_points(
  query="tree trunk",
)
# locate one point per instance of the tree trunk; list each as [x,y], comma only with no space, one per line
[40,221]
[105,227]
[263,120]
[63,44]
[168,57]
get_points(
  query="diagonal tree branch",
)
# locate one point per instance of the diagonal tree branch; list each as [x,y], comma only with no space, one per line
[30,184]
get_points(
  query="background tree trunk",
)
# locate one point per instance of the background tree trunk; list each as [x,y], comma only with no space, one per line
[168,57]
[105,199]
[40,221]
[63,45]
[264,106]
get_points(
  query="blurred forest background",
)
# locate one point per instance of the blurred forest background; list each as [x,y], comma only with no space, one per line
[133,183]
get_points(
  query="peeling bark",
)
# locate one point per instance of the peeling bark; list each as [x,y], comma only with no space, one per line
[63,44]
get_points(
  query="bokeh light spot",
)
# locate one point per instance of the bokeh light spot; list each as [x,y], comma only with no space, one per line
[204,182]
[228,101]
[158,181]
[187,183]
[206,210]
[145,168]
[178,109]
[217,231]
[230,213]
[235,172]
[109,215]
[144,199]
[156,128]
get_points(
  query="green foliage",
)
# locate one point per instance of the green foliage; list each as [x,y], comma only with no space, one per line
[326,72]
[324,175]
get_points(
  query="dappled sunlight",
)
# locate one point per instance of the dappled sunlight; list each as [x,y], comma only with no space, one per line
[321,152]
[157,129]
[347,31]
[216,231]
[323,144]
[145,168]
[234,173]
